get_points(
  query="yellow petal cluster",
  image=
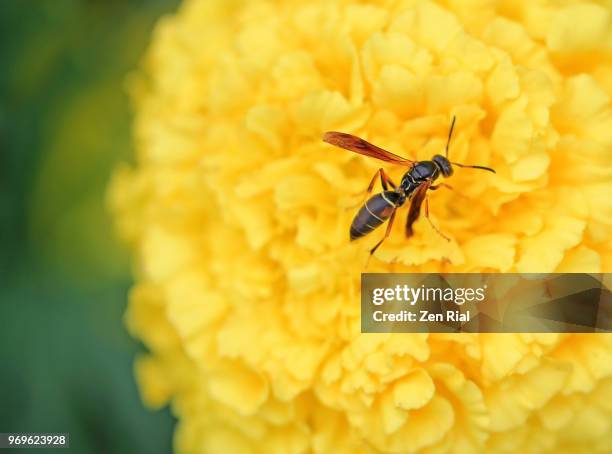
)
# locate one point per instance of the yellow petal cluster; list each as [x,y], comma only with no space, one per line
[247,287]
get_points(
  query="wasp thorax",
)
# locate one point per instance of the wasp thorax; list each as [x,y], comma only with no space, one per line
[443,164]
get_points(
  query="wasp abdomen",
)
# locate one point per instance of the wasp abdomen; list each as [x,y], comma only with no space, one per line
[373,213]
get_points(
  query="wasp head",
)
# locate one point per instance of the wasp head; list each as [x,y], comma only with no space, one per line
[443,164]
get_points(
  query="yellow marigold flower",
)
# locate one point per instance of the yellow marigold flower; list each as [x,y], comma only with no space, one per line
[247,286]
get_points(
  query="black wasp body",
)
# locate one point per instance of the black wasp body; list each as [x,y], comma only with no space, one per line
[423,171]
[413,187]
[380,207]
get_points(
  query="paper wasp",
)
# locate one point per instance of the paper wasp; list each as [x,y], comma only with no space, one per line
[413,187]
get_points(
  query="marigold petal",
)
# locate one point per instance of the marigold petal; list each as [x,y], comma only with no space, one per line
[238,387]
[491,251]
[544,251]
[580,27]
[414,390]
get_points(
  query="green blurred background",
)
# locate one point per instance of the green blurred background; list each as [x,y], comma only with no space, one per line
[65,357]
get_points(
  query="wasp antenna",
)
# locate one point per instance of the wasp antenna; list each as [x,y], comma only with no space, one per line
[473,167]
[450,133]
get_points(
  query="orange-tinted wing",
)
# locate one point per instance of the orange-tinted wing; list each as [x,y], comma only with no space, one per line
[415,206]
[354,143]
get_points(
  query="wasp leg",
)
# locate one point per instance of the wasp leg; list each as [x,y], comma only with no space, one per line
[448,186]
[437,186]
[387,233]
[430,221]
[385,181]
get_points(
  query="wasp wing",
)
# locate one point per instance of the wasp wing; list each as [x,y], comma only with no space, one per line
[358,145]
[415,206]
